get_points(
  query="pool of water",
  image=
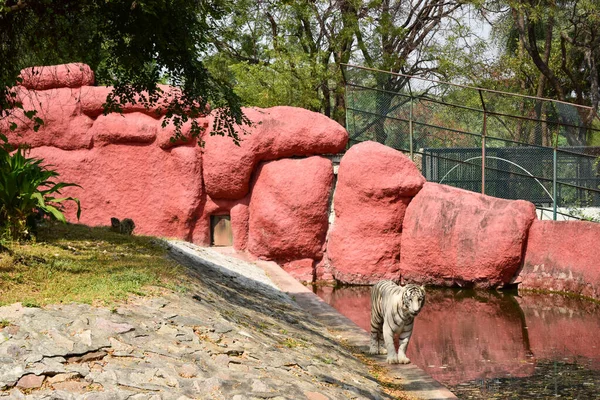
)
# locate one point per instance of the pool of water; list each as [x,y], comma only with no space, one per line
[497,345]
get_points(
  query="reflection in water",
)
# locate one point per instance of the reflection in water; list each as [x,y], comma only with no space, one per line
[481,336]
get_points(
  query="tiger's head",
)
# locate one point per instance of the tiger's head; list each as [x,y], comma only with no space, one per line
[413,299]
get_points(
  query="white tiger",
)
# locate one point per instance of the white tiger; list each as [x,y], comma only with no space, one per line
[393,309]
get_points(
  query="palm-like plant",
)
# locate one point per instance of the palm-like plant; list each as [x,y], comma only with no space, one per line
[27,187]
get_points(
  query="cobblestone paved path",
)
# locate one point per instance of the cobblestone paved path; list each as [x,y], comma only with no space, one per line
[232,335]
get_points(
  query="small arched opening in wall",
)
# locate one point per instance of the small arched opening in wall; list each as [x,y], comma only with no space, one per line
[220,230]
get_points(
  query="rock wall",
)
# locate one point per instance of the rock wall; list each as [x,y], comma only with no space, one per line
[128,167]
[563,256]
[280,132]
[375,186]
[288,209]
[157,189]
[456,237]
[389,223]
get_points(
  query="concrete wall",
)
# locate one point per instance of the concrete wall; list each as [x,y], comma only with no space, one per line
[382,221]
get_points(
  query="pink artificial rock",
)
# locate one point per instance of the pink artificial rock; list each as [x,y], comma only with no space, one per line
[302,270]
[562,256]
[377,171]
[364,243]
[375,185]
[92,99]
[278,132]
[238,214]
[452,236]
[165,134]
[159,190]
[289,209]
[116,128]
[63,126]
[323,272]
[72,75]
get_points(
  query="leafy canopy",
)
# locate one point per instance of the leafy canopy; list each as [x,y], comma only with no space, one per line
[130,44]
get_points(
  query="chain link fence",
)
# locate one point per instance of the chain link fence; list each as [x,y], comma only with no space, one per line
[500,144]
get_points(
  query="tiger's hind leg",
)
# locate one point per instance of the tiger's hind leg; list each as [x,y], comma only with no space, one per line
[375,345]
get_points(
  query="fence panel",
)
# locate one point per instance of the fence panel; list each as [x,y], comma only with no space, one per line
[501,144]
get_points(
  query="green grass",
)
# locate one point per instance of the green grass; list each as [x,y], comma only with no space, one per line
[76,263]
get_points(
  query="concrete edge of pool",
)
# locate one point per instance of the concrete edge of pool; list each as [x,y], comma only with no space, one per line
[415,381]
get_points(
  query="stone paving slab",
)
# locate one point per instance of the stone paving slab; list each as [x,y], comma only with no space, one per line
[232,335]
[414,380]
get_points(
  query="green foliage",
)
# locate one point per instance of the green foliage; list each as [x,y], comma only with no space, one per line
[30,303]
[289,52]
[276,84]
[130,44]
[548,49]
[26,188]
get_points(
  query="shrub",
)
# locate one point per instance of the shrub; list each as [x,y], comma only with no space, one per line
[26,189]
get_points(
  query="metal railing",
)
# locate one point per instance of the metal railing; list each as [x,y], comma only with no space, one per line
[501,144]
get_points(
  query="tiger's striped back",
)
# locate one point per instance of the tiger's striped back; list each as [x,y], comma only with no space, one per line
[381,294]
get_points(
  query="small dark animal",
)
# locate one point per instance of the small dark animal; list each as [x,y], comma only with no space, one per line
[125,227]
[115,224]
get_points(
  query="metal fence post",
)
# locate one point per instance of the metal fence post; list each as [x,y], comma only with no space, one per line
[410,123]
[483,135]
[554,178]
[410,130]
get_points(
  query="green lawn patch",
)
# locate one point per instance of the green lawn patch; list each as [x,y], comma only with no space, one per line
[76,263]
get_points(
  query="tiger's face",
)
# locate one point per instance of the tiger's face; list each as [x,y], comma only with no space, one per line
[413,299]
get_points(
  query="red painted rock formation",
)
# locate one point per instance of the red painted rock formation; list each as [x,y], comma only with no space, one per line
[129,167]
[166,136]
[453,236]
[116,128]
[159,190]
[563,256]
[72,75]
[375,185]
[92,99]
[64,126]
[278,132]
[289,209]
[303,270]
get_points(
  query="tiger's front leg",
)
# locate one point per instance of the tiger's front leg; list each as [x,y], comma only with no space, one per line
[403,344]
[388,340]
